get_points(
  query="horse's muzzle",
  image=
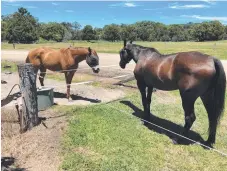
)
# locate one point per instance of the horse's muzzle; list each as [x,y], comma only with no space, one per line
[122,65]
[96,69]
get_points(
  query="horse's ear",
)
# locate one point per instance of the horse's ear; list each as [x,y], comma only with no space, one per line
[89,50]
[124,42]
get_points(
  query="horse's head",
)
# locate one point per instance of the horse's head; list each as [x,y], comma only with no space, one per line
[125,54]
[92,60]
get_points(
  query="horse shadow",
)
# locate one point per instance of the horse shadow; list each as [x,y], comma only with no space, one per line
[7,164]
[167,125]
[76,97]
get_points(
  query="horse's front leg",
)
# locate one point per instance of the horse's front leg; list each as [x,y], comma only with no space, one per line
[142,87]
[149,96]
[42,75]
[68,78]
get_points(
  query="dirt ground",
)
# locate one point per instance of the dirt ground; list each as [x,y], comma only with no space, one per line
[39,149]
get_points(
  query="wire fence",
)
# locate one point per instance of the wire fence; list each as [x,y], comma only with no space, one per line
[83,69]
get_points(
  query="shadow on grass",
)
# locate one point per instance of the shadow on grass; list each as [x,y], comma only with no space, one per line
[76,97]
[167,125]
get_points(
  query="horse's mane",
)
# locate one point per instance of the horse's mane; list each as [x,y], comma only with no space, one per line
[146,48]
[72,47]
[152,50]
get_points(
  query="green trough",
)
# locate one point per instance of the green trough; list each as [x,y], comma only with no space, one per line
[45,98]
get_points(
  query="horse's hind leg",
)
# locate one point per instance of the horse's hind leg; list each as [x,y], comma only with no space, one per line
[188,100]
[42,75]
[207,101]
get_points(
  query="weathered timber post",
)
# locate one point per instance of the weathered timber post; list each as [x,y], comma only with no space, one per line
[27,75]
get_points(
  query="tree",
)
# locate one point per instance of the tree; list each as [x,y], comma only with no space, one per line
[98,33]
[144,29]
[111,32]
[225,33]
[4,27]
[22,27]
[177,32]
[88,33]
[77,33]
[128,32]
[53,31]
[212,30]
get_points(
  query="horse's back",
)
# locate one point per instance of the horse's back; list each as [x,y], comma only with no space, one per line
[194,70]
[174,71]
[195,63]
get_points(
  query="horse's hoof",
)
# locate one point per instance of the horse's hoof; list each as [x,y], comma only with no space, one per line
[145,123]
[70,99]
[175,141]
[208,145]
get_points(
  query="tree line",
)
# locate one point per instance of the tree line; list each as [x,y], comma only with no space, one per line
[22,27]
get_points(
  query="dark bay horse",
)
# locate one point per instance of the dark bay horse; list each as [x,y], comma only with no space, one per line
[194,74]
[64,59]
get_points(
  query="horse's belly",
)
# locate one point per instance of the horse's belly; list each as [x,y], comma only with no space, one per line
[161,84]
[53,67]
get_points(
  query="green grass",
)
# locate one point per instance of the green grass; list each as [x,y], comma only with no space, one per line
[6,63]
[100,138]
[215,48]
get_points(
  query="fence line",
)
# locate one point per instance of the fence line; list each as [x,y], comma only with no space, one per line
[81,69]
[84,82]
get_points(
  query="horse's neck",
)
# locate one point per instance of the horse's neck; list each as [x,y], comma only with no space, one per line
[152,54]
[135,56]
[78,55]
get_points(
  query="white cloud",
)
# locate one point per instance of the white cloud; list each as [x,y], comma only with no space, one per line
[13,5]
[130,4]
[209,1]
[205,17]
[69,11]
[56,11]
[189,6]
[125,4]
[53,3]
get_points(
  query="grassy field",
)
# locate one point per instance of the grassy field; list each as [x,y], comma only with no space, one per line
[100,137]
[13,67]
[215,48]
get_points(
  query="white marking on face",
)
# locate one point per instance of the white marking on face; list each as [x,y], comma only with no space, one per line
[95,67]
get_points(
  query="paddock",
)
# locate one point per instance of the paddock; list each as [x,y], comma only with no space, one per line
[118,109]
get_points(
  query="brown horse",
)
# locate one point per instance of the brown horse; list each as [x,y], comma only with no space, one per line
[63,59]
[194,74]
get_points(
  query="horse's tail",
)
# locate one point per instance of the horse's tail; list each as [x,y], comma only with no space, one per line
[219,89]
[218,99]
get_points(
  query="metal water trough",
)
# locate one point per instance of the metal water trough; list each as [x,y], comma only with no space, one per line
[45,98]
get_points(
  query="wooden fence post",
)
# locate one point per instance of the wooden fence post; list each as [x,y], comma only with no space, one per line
[27,75]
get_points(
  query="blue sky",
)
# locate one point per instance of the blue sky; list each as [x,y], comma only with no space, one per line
[100,13]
